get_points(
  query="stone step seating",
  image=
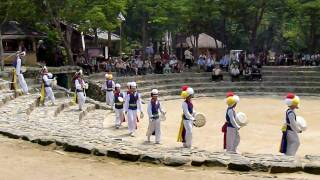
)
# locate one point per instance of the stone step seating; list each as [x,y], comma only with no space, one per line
[58,121]
[195,77]
[277,80]
[6,94]
[20,108]
[229,84]
[189,80]
[204,90]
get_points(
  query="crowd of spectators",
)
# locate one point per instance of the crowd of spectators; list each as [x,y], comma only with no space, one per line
[128,66]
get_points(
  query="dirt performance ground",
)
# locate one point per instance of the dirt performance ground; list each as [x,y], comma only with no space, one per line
[21,160]
[262,135]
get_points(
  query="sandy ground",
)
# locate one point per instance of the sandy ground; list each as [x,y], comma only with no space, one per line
[22,160]
[262,135]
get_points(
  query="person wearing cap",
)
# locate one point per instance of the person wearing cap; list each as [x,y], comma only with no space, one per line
[109,86]
[231,128]
[46,90]
[118,101]
[154,109]
[18,72]
[132,106]
[185,131]
[80,89]
[290,140]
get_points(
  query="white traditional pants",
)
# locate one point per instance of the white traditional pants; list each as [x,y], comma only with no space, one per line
[293,143]
[132,120]
[154,126]
[233,139]
[188,124]
[81,99]
[119,116]
[49,94]
[23,84]
[109,97]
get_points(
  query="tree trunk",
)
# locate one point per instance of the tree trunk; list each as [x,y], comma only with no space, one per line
[65,42]
[144,37]
[254,29]
[1,51]
[224,34]
[197,47]
[312,35]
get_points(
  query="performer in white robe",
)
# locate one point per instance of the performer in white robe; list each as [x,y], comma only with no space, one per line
[232,134]
[154,110]
[46,87]
[132,107]
[18,65]
[109,86]
[185,131]
[118,101]
[290,140]
[80,89]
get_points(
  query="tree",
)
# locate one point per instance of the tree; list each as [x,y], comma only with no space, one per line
[26,11]
[96,20]
[311,10]
[147,19]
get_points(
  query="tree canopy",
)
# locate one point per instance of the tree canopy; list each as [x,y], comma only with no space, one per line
[253,25]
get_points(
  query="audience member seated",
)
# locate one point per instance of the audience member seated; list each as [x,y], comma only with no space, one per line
[174,65]
[201,63]
[167,69]
[209,64]
[224,62]
[82,62]
[256,73]
[217,73]
[247,72]
[158,67]
[234,72]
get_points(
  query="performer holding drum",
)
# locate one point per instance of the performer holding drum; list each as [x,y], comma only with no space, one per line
[109,86]
[154,110]
[80,89]
[118,101]
[293,125]
[46,90]
[132,106]
[188,116]
[18,72]
[231,127]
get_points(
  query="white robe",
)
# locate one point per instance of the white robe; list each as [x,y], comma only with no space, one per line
[109,92]
[188,124]
[293,141]
[81,95]
[21,79]
[49,92]
[118,112]
[154,123]
[132,114]
[233,137]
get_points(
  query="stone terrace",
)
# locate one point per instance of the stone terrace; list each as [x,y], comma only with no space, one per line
[85,132]
[276,81]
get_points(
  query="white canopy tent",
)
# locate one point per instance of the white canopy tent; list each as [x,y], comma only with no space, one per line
[204,42]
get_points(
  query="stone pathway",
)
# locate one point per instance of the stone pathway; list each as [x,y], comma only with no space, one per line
[91,131]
